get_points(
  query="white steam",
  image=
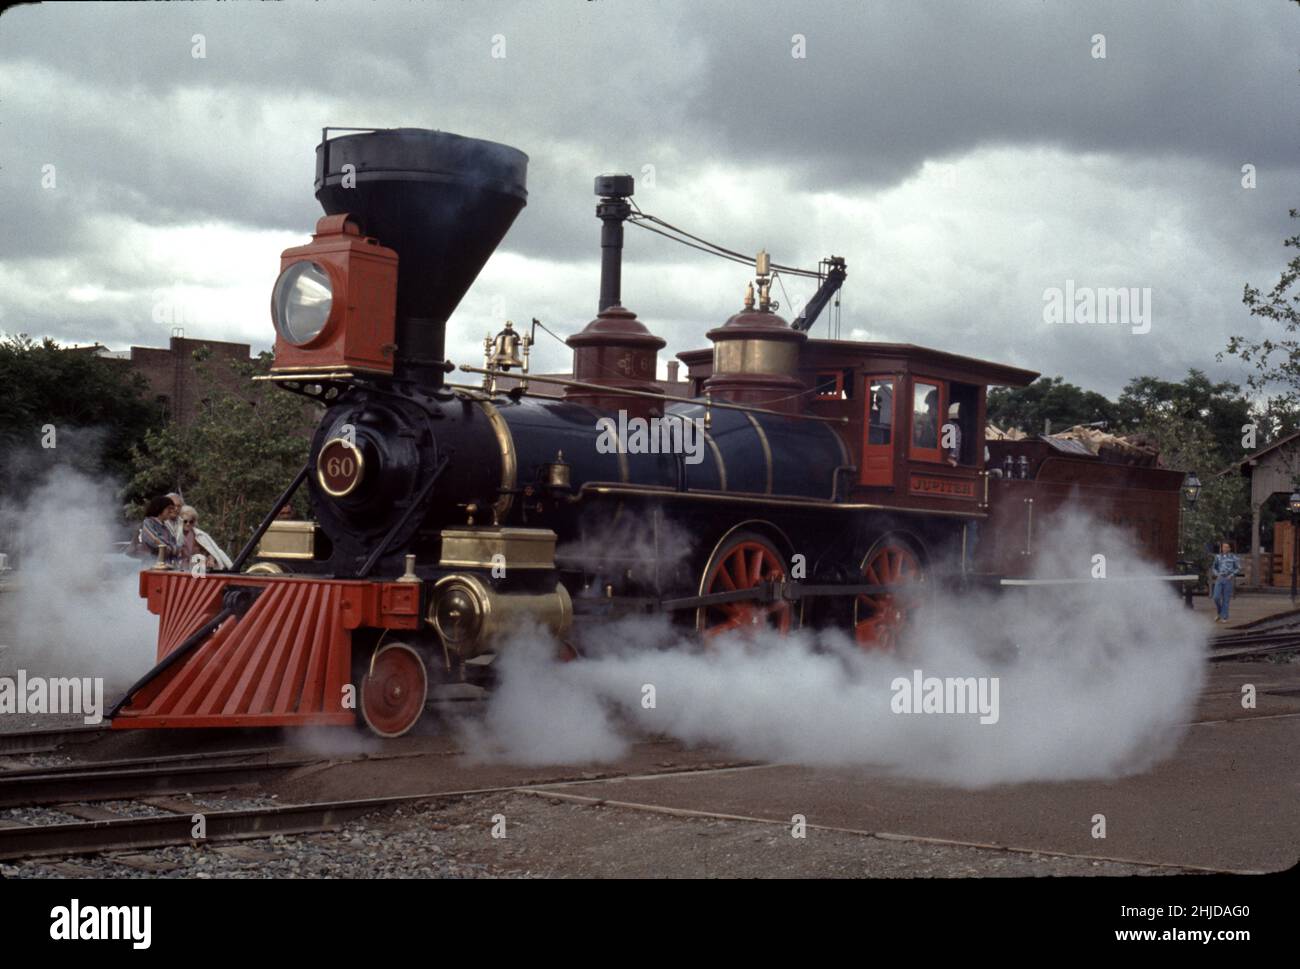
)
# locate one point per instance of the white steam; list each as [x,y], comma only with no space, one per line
[73,607]
[1096,679]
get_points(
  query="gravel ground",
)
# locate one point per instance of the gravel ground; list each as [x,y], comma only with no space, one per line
[544,837]
[548,838]
[17,723]
[36,815]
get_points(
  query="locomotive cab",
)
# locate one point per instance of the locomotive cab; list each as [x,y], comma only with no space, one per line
[915,419]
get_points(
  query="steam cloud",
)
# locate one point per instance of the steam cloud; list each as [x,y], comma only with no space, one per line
[1096,680]
[74,608]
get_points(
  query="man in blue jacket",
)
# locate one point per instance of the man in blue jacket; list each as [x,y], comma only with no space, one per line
[1226,566]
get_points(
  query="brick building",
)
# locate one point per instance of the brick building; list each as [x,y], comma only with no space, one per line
[176,380]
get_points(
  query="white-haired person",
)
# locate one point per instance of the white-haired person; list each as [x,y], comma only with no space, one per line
[174,523]
[195,541]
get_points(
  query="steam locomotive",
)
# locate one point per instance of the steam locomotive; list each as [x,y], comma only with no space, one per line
[789,482]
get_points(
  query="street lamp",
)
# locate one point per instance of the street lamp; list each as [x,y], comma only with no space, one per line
[1191,491]
[1294,504]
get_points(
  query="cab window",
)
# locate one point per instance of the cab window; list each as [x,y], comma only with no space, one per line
[880,416]
[927,406]
[878,438]
[834,385]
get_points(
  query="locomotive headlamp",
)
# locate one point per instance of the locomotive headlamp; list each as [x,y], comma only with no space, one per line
[301,302]
[334,305]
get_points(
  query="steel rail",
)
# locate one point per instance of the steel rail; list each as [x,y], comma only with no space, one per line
[44,787]
[95,837]
[1234,640]
[39,741]
[158,760]
[1220,656]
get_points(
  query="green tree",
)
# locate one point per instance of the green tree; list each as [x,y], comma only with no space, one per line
[234,459]
[1276,359]
[1219,407]
[1047,399]
[1275,419]
[99,406]
[1222,510]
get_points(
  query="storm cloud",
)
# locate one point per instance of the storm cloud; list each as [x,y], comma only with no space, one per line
[964,158]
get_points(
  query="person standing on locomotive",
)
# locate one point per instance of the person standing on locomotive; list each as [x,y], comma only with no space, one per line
[199,542]
[950,436]
[1225,567]
[174,523]
[156,530]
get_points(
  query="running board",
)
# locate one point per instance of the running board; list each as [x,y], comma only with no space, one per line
[1113,578]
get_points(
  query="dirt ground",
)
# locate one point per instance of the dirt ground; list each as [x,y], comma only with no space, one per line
[534,836]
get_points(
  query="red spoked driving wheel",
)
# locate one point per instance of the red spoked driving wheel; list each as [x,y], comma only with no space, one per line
[744,561]
[879,619]
[394,690]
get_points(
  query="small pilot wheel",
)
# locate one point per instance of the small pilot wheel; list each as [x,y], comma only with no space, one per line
[879,619]
[743,561]
[393,690]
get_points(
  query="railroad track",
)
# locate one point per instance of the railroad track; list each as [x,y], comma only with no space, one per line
[40,741]
[104,794]
[79,790]
[1239,645]
[97,836]
[144,777]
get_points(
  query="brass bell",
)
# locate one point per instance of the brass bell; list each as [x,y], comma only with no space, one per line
[505,350]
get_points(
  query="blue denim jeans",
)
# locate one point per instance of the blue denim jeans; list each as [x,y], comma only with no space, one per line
[1223,594]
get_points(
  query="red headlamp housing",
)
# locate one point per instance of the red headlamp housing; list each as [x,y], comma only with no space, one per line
[334,305]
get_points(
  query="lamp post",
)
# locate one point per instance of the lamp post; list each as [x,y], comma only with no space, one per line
[1294,504]
[1191,491]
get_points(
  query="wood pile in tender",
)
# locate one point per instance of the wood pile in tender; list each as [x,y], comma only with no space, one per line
[994,433]
[1133,449]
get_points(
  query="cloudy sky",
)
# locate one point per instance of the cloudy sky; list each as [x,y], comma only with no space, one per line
[965,158]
